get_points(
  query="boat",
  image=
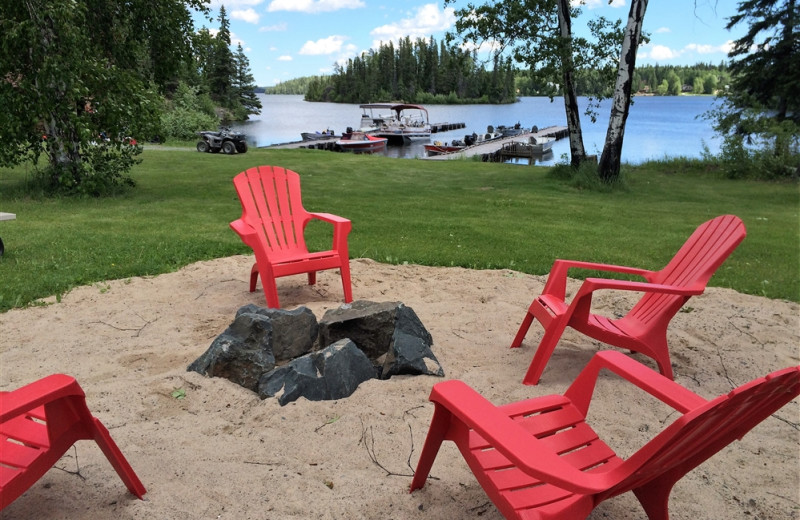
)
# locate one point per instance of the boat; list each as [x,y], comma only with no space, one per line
[400,122]
[440,148]
[316,136]
[510,131]
[361,142]
[540,144]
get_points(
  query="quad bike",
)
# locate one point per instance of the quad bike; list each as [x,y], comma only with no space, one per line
[226,141]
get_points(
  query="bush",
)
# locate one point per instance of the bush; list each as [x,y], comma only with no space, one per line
[585,177]
[183,123]
[772,152]
[103,170]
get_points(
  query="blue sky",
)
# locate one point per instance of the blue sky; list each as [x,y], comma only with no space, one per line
[285,39]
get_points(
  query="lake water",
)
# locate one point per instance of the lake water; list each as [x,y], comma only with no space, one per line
[657,126]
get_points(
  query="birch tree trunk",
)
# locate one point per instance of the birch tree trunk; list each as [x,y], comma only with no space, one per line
[608,168]
[577,151]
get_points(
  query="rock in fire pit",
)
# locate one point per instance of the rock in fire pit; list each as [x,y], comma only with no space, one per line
[288,355]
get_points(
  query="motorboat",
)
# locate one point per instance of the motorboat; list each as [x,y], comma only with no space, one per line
[400,122]
[316,136]
[540,144]
[440,148]
[361,142]
[510,131]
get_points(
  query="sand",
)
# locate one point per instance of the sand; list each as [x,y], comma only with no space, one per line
[222,453]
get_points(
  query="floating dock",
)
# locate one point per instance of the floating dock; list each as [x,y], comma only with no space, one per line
[489,151]
[497,150]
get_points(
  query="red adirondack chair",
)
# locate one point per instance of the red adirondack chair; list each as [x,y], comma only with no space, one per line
[538,459]
[644,328]
[272,224]
[38,424]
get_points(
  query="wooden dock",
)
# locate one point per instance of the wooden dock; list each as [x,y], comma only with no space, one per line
[489,151]
[492,151]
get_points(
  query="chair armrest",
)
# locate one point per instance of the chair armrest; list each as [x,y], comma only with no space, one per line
[43,391]
[243,229]
[557,279]
[341,229]
[664,389]
[527,452]
[594,284]
[581,304]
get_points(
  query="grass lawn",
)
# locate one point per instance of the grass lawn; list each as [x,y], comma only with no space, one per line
[449,213]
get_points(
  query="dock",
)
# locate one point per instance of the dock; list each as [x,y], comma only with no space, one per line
[446,127]
[500,150]
[490,151]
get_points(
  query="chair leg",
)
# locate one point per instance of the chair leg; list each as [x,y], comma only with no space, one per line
[436,434]
[253,277]
[312,277]
[271,292]
[654,497]
[543,352]
[523,329]
[346,286]
[117,459]
[661,355]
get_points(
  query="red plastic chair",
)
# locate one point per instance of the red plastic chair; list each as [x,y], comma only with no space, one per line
[38,424]
[272,224]
[539,460]
[644,328]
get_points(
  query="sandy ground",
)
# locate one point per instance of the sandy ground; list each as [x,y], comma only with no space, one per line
[222,453]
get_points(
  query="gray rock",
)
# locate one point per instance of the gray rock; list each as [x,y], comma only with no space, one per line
[293,331]
[370,325]
[257,339]
[331,373]
[389,333]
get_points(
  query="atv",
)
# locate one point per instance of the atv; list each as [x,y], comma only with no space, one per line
[226,141]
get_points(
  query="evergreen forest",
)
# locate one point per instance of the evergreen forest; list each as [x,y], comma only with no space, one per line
[422,71]
[461,78]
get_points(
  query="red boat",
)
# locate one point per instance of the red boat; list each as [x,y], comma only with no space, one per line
[439,148]
[359,142]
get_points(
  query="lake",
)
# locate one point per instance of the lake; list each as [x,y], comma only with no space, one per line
[657,127]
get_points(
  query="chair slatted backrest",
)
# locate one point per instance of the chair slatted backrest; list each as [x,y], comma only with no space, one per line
[272,205]
[692,266]
[702,432]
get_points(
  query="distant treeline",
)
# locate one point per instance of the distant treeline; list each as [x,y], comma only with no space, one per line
[363,80]
[422,71]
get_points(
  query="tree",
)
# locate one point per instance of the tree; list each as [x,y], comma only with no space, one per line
[73,70]
[759,118]
[609,165]
[539,34]
[244,84]
[220,66]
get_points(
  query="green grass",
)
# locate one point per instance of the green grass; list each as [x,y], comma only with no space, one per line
[448,213]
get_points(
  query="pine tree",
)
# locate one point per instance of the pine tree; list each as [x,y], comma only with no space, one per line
[244,84]
[221,69]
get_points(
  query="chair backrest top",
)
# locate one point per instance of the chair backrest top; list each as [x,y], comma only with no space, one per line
[272,205]
[693,265]
[704,251]
[700,433]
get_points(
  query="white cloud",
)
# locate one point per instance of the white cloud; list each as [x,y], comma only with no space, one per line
[427,20]
[246,15]
[329,45]
[284,58]
[313,6]
[709,49]
[661,52]
[594,4]
[274,28]
[233,4]
[662,30]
